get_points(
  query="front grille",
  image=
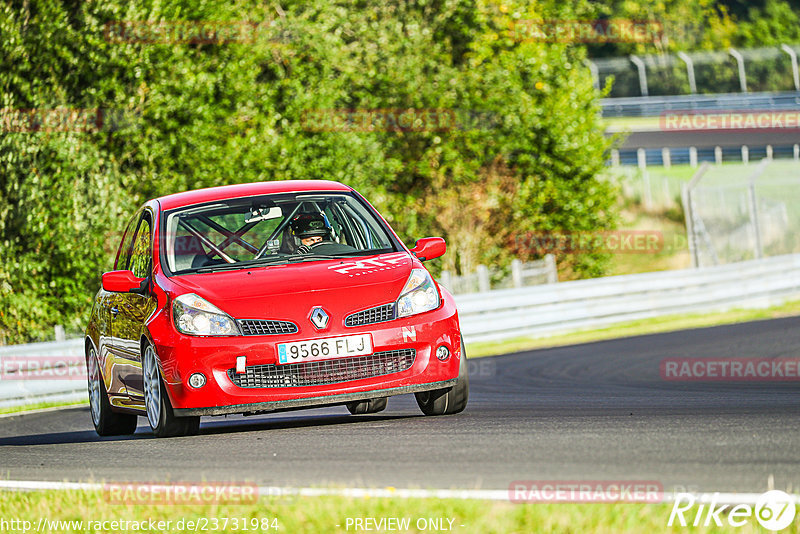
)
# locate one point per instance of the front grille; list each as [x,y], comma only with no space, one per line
[325,371]
[261,327]
[378,314]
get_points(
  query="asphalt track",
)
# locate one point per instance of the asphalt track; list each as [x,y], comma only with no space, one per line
[597,411]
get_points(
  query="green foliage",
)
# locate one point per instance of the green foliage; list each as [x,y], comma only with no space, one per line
[527,155]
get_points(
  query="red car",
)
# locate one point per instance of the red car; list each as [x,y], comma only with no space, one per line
[264,297]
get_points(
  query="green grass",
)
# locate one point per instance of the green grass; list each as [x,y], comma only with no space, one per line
[41,406]
[330,514]
[667,323]
[632,124]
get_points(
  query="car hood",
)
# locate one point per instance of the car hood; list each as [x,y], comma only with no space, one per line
[290,291]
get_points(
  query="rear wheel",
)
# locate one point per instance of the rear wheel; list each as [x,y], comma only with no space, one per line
[450,400]
[367,406]
[106,422]
[160,415]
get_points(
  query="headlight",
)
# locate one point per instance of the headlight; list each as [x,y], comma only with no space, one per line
[196,316]
[419,294]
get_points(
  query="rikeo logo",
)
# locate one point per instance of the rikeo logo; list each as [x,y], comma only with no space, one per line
[774,510]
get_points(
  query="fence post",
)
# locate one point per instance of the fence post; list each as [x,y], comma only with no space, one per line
[552,270]
[642,74]
[483,279]
[718,155]
[689,71]
[60,334]
[693,156]
[793,55]
[666,158]
[745,154]
[740,62]
[648,194]
[516,272]
[753,199]
[688,211]
[445,280]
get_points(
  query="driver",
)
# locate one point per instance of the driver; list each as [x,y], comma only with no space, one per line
[310,229]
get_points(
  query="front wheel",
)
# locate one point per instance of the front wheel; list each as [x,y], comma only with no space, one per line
[450,400]
[160,415]
[106,422]
[367,406]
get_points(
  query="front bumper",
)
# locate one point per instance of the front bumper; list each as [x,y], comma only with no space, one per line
[182,356]
[312,402]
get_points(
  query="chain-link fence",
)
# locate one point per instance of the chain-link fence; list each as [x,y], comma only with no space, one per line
[729,71]
[742,212]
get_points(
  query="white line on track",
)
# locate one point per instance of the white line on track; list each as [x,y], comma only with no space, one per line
[389,492]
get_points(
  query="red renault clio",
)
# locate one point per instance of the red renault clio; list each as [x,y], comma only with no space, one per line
[263,297]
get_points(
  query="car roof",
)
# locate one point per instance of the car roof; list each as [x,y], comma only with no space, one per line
[211,194]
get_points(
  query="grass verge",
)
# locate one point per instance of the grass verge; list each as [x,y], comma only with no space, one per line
[41,406]
[656,325]
[331,514]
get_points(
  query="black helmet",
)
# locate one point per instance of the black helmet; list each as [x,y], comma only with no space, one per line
[309,225]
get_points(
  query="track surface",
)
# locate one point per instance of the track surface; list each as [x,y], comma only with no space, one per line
[597,411]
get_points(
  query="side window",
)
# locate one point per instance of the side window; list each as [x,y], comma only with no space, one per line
[140,257]
[124,252]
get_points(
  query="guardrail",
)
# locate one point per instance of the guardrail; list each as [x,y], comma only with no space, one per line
[496,315]
[54,371]
[651,106]
[584,304]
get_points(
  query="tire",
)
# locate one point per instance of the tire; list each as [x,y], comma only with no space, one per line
[450,400]
[162,419]
[367,406]
[106,421]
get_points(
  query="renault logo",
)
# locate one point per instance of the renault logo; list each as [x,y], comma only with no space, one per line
[319,318]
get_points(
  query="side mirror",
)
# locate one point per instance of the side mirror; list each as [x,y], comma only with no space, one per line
[122,282]
[429,248]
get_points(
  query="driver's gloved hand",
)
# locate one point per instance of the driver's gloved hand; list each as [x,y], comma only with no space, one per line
[302,249]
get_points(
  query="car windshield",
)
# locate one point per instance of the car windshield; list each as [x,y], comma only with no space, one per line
[280,228]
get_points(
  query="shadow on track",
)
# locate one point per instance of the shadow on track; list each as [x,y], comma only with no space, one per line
[208,427]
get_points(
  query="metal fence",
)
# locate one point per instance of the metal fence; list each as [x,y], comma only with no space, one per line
[694,156]
[741,213]
[585,304]
[724,71]
[542,271]
[652,106]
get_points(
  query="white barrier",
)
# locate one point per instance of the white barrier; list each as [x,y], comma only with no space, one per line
[570,306]
[53,372]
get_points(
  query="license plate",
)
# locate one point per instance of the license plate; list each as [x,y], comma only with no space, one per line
[324,349]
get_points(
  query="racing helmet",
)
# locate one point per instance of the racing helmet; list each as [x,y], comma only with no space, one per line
[309,225]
